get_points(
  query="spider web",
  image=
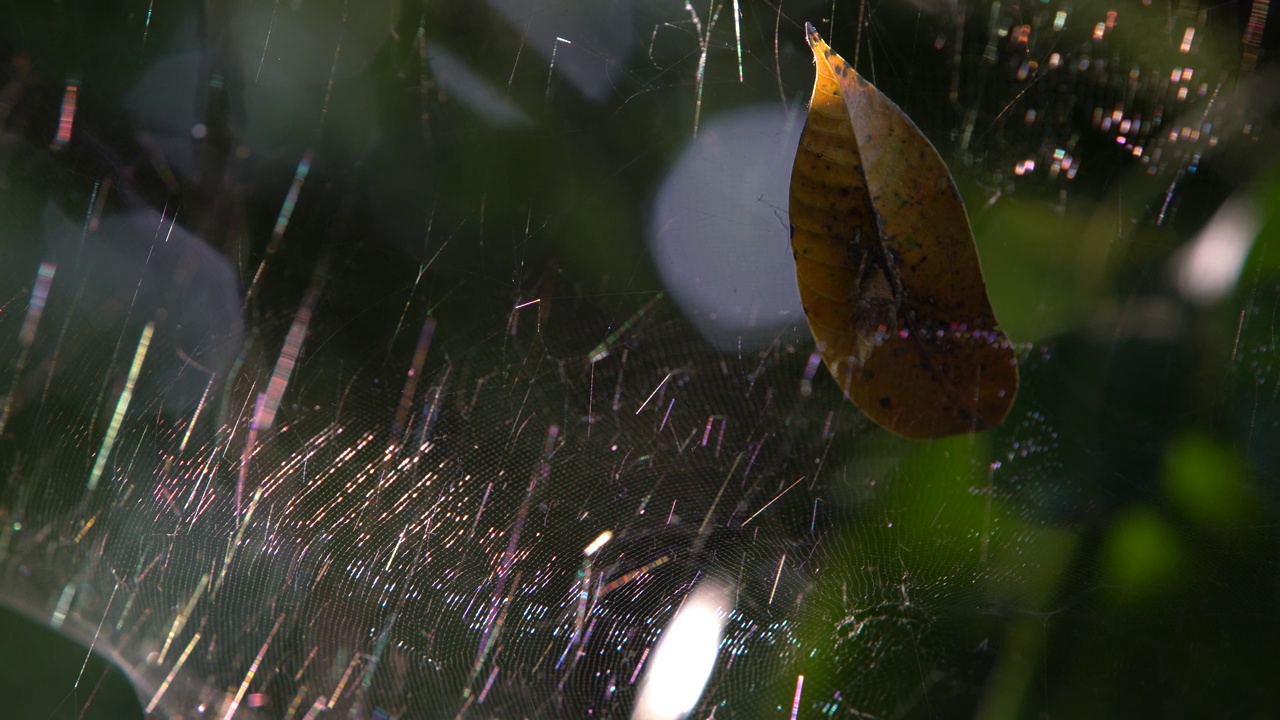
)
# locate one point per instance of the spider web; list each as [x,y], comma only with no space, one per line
[405,360]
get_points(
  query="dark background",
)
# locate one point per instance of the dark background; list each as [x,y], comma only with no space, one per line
[1110,551]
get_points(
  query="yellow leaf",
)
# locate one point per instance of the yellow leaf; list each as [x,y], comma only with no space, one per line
[888,272]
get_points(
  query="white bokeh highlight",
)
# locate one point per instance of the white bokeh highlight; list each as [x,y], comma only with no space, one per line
[685,655]
[718,231]
[1209,268]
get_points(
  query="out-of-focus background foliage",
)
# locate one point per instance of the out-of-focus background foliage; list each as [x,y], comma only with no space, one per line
[1109,552]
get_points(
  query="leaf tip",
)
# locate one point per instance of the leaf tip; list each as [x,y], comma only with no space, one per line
[822,54]
[811,35]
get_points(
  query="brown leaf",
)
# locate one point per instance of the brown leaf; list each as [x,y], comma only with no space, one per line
[888,272]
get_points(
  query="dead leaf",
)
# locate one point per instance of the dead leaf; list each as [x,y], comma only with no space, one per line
[888,272]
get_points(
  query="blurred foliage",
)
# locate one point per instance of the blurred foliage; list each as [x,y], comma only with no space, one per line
[44,676]
[1109,552]
[1209,484]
